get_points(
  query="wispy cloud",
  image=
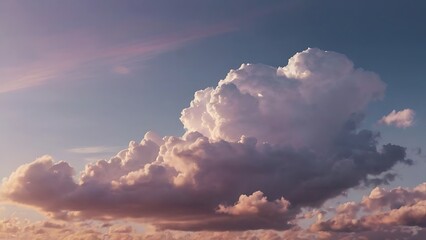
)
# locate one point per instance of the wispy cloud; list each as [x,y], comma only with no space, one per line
[121,70]
[80,51]
[39,56]
[18,80]
[93,150]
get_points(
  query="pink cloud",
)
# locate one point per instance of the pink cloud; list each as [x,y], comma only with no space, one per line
[76,52]
[18,229]
[382,208]
[400,119]
[255,204]
[121,70]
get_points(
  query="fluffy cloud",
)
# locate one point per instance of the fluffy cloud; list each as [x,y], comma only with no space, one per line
[289,134]
[382,208]
[304,104]
[255,204]
[401,119]
[39,182]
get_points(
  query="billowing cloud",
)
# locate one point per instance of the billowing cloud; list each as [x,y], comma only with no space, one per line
[382,208]
[258,147]
[304,104]
[401,119]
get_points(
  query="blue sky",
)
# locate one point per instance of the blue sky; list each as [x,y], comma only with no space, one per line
[80,79]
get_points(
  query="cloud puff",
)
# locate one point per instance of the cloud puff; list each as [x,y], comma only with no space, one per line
[304,104]
[255,204]
[382,208]
[40,181]
[401,119]
[289,134]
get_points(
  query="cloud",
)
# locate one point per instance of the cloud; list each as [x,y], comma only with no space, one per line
[400,119]
[289,134]
[93,150]
[121,229]
[255,204]
[382,208]
[17,229]
[13,228]
[52,225]
[121,70]
[76,53]
[287,105]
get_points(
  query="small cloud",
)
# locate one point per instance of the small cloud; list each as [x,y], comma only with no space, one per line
[255,204]
[121,70]
[400,119]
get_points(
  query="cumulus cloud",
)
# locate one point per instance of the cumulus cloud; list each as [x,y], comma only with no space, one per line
[304,104]
[289,134]
[400,119]
[255,204]
[382,208]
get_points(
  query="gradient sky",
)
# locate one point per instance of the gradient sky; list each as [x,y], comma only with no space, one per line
[80,79]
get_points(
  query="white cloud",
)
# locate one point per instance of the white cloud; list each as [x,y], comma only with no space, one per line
[400,119]
[303,104]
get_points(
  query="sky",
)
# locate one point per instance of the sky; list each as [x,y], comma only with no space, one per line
[251,119]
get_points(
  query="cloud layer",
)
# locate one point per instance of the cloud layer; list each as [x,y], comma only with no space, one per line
[258,147]
[13,228]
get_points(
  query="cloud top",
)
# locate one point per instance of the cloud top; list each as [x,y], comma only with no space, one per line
[304,104]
